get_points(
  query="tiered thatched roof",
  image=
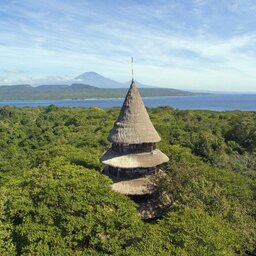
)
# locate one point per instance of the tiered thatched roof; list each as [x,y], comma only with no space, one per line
[133,125]
[139,160]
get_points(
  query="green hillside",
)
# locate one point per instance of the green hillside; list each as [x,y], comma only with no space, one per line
[55,201]
[77,91]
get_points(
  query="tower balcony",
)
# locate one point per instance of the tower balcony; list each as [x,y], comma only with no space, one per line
[129,161]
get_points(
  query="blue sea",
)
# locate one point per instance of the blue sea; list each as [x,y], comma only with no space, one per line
[216,102]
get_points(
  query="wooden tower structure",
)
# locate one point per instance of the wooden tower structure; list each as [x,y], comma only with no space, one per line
[133,156]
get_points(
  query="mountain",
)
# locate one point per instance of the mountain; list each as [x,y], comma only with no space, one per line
[85,86]
[97,80]
[87,78]
[15,91]
[100,81]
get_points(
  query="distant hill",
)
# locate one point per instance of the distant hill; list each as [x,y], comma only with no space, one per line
[53,87]
[85,86]
[89,78]
[77,91]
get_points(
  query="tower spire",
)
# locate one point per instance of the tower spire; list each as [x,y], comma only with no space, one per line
[132,68]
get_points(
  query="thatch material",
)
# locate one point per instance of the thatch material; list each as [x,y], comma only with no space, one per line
[133,125]
[139,160]
[140,186]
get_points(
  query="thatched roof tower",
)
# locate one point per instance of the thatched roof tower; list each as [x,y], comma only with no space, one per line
[133,125]
[133,157]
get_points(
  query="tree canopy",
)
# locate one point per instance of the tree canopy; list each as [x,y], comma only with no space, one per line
[55,201]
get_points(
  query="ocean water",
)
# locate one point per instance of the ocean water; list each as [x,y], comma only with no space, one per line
[217,102]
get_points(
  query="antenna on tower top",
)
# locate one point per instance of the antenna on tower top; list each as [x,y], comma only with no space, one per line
[132,67]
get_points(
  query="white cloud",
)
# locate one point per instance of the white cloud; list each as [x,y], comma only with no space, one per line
[53,38]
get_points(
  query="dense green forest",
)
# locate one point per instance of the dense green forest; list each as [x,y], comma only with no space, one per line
[55,201]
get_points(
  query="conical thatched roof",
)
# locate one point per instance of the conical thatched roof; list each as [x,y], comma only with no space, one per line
[133,125]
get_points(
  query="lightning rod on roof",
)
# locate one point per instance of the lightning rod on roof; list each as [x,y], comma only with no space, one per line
[132,67]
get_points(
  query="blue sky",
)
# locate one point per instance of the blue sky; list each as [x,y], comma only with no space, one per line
[186,44]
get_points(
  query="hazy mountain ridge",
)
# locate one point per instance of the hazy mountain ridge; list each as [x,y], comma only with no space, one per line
[106,88]
[77,91]
[91,78]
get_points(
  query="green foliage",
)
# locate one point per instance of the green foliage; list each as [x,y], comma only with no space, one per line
[54,200]
[63,209]
[6,245]
[189,232]
[221,193]
[222,139]
[194,232]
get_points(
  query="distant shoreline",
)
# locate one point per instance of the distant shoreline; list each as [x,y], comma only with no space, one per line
[103,98]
